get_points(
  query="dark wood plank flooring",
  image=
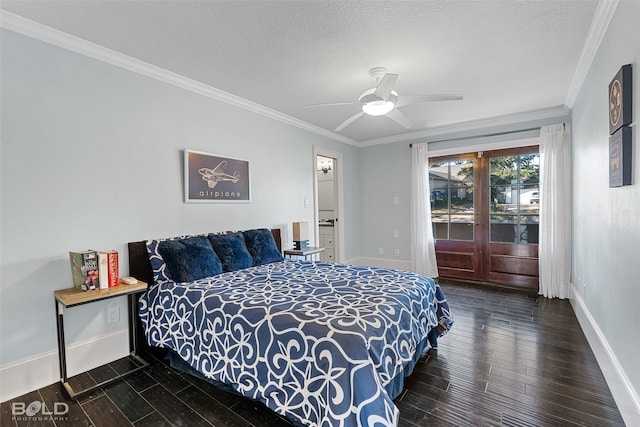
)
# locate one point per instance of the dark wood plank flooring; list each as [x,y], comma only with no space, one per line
[512,358]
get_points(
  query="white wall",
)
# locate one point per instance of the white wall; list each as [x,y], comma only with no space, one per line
[91,158]
[385,174]
[606,221]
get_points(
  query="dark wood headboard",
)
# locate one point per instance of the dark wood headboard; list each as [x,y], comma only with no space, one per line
[140,267]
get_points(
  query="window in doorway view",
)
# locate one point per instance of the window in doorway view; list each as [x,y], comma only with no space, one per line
[452,191]
[514,191]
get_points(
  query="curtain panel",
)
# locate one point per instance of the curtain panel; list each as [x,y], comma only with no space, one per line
[423,249]
[554,251]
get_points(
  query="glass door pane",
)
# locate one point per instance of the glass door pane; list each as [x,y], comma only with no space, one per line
[452,205]
[514,193]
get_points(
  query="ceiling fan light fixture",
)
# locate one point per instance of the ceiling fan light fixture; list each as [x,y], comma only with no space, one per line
[377,108]
[373,105]
[382,100]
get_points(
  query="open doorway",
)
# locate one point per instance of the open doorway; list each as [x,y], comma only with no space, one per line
[329,232]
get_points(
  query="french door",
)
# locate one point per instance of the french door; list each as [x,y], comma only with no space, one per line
[485,214]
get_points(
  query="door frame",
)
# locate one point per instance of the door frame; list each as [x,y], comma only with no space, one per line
[338,174]
[482,260]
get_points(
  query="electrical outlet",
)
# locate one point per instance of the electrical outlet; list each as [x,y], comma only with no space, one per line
[396,234]
[396,200]
[380,251]
[113,315]
[397,252]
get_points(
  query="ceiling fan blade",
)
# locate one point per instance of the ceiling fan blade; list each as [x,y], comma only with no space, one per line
[386,86]
[348,121]
[398,117]
[330,104]
[418,99]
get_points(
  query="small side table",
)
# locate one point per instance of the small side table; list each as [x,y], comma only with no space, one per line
[305,253]
[71,297]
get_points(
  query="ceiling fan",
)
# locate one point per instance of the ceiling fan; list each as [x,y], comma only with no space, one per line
[383,100]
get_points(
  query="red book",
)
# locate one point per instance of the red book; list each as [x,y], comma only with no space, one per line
[113,268]
[109,269]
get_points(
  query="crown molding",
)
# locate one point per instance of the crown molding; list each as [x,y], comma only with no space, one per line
[599,25]
[560,111]
[35,30]
[75,44]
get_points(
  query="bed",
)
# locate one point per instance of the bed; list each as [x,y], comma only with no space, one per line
[323,344]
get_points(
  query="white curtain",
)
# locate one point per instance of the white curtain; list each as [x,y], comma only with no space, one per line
[423,250]
[554,250]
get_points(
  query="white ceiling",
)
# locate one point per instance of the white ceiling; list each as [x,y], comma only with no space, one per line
[506,57]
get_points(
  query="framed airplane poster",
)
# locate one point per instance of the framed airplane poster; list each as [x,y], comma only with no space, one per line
[212,178]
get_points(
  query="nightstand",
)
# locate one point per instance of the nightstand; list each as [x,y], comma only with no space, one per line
[305,253]
[71,297]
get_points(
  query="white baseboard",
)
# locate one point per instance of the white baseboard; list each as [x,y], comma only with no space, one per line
[42,370]
[381,263]
[625,395]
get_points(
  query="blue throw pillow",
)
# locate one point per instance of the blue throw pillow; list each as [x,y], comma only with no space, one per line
[160,273]
[231,250]
[189,259]
[262,246]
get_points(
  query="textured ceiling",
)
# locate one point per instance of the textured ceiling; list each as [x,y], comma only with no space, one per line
[505,57]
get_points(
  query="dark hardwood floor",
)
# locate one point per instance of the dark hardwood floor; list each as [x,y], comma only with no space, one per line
[512,359]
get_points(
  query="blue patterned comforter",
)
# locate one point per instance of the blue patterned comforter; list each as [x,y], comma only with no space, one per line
[316,342]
